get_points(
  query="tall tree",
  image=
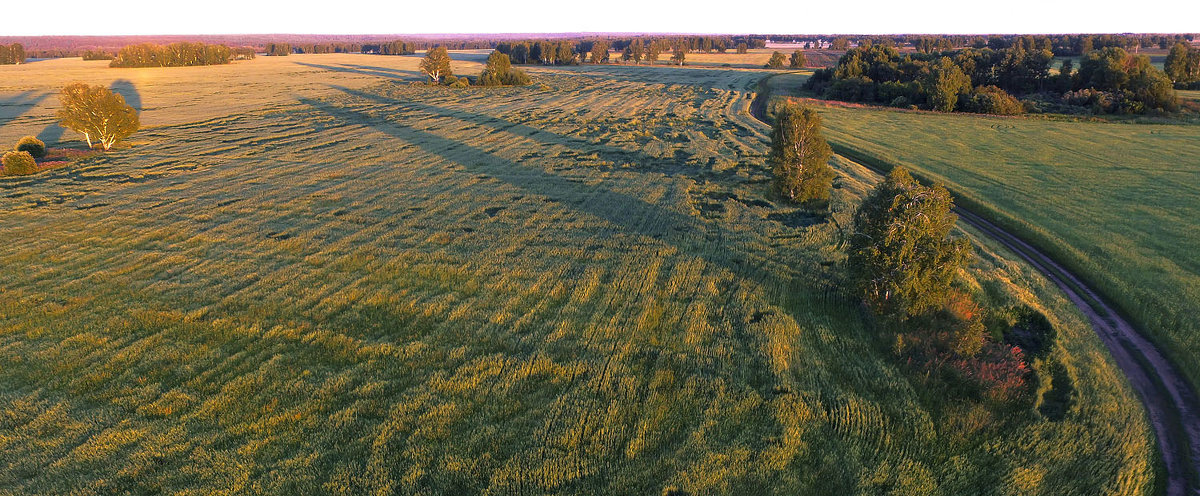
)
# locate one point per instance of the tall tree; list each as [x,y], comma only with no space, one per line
[679,52]
[436,64]
[944,83]
[636,51]
[599,52]
[797,60]
[902,259]
[97,113]
[741,48]
[799,155]
[653,50]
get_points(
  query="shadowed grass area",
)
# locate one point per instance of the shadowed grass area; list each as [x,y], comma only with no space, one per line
[579,287]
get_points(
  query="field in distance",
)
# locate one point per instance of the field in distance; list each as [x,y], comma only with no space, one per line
[309,276]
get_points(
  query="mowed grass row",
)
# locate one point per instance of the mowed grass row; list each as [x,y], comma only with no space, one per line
[579,287]
[1116,202]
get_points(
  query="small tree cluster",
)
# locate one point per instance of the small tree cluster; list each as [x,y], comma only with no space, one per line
[679,53]
[173,55]
[97,55]
[12,54]
[498,71]
[397,47]
[634,51]
[278,49]
[18,164]
[776,61]
[540,52]
[96,112]
[797,60]
[1183,64]
[599,52]
[799,155]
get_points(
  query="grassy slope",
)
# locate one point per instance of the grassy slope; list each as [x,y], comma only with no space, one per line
[575,288]
[1118,202]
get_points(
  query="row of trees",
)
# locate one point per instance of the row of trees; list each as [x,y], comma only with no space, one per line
[396,47]
[278,49]
[173,55]
[12,54]
[985,80]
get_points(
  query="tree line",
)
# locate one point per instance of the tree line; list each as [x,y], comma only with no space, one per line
[989,80]
[172,55]
[12,54]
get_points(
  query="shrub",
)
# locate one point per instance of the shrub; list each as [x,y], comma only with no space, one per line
[18,164]
[34,146]
[991,100]
[461,82]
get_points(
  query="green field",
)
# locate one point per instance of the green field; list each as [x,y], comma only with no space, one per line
[1117,202]
[307,276]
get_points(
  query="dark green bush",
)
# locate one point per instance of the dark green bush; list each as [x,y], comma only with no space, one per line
[990,100]
[18,164]
[32,145]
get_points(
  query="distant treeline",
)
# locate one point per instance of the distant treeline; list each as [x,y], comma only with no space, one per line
[12,54]
[573,51]
[1109,80]
[173,55]
[97,55]
[1061,45]
[396,47]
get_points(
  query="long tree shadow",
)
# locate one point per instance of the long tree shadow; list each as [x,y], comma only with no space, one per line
[398,74]
[628,212]
[608,153]
[17,105]
[52,134]
[129,91]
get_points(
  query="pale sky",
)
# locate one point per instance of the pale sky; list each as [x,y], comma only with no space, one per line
[80,17]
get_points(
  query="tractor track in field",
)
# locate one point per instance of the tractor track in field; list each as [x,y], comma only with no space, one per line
[1172,406]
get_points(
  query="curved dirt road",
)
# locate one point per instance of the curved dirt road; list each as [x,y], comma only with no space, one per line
[1172,407]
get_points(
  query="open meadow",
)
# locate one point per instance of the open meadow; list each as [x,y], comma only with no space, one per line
[1115,201]
[305,275]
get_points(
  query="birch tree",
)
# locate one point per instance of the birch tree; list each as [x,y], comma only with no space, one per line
[100,115]
[436,64]
[800,156]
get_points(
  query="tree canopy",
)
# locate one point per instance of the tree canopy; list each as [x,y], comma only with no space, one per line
[799,155]
[436,64]
[498,71]
[173,55]
[902,259]
[776,61]
[12,54]
[797,61]
[96,112]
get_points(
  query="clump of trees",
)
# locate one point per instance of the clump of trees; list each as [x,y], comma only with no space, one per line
[12,54]
[97,55]
[679,53]
[797,60]
[634,51]
[599,52]
[540,52]
[1183,66]
[799,155]
[243,53]
[98,113]
[278,49]
[173,55]
[397,47]
[18,163]
[31,145]
[498,71]
[436,64]
[776,61]
[1109,80]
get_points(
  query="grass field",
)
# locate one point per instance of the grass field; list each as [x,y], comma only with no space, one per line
[347,284]
[1117,201]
